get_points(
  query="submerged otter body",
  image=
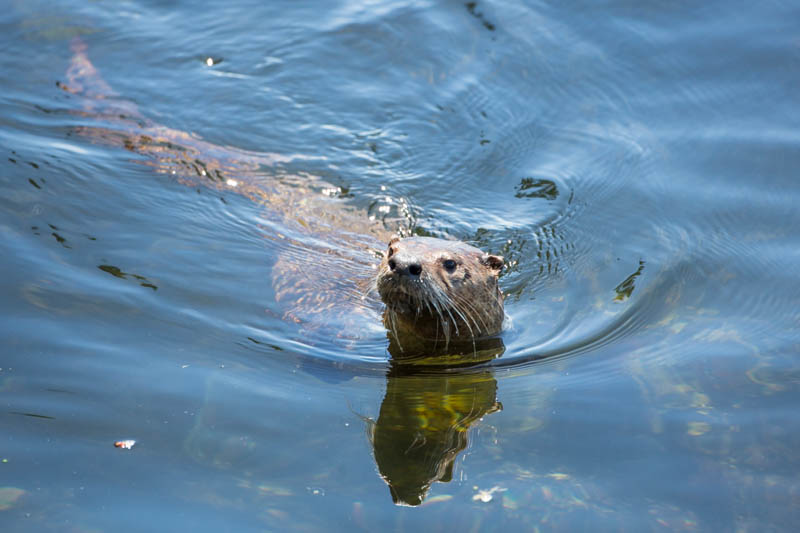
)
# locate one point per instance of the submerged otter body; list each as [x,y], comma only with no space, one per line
[439,292]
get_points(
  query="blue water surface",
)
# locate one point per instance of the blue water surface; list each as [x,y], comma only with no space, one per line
[195,194]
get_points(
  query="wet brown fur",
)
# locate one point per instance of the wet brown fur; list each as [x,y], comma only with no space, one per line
[439,291]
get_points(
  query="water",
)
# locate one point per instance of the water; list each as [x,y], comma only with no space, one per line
[635,165]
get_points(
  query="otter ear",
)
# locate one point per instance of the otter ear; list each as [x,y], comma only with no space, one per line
[389,250]
[495,262]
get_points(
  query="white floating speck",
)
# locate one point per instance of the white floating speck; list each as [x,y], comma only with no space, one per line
[232,183]
[485,496]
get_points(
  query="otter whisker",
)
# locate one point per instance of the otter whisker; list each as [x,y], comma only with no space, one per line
[449,310]
[478,312]
[370,287]
[443,303]
[393,328]
[441,322]
[474,314]
[460,314]
[447,325]
[466,323]
[452,305]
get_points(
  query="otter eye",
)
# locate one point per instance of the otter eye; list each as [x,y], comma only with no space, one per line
[449,265]
[391,252]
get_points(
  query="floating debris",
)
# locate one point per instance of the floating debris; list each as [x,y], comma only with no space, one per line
[124,444]
[625,289]
[118,273]
[485,496]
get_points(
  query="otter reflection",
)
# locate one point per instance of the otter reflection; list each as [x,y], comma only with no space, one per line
[424,422]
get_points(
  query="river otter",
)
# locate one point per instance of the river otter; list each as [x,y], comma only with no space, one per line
[434,289]
[438,290]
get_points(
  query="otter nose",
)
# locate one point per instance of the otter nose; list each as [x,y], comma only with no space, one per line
[405,266]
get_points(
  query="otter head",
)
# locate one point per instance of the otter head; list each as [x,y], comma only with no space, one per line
[436,289]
